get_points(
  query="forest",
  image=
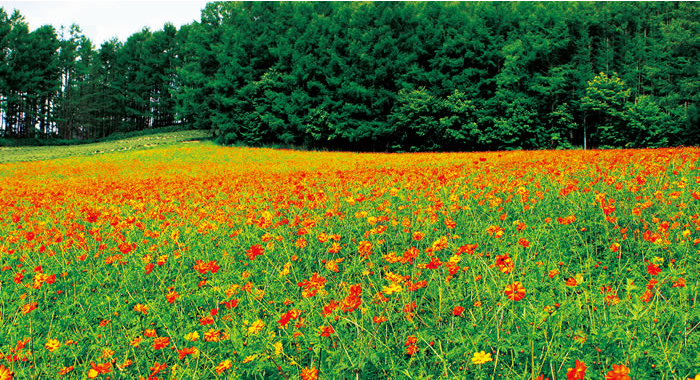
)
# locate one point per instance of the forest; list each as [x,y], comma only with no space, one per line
[370,76]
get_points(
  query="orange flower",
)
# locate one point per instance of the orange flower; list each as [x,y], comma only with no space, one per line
[172,296]
[327,331]
[309,373]
[125,364]
[365,248]
[212,335]
[52,345]
[160,343]
[680,283]
[224,365]
[457,311]
[381,319]
[571,282]
[619,372]
[335,248]
[206,320]
[26,309]
[5,373]
[504,263]
[136,341]
[99,369]
[141,308]
[578,372]
[186,351]
[63,371]
[515,291]
[157,368]
[412,349]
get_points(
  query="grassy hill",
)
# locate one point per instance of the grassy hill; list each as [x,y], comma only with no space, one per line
[37,153]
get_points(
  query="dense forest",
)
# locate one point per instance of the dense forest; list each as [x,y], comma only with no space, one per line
[398,76]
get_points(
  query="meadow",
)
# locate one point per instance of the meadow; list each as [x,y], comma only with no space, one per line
[198,261]
[38,153]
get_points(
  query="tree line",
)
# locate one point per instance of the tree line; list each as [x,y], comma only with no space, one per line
[398,76]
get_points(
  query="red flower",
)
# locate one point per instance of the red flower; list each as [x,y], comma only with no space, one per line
[457,311]
[434,263]
[231,304]
[125,248]
[254,251]
[653,269]
[327,331]
[412,349]
[286,317]
[578,372]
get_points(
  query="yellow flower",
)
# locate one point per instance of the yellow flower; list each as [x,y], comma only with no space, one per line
[5,373]
[249,358]
[141,308]
[481,357]
[52,345]
[256,327]
[193,336]
[393,288]
[278,348]
[285,270]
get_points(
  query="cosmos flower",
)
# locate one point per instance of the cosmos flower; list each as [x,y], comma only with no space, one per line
[5,373]
[578,372]
[515,291]
[309,373]
[224,365]
[619,372]
[161,342]
[481,357]
[52,345]
[255,327]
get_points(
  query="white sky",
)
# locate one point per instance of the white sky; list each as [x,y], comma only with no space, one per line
[102,20]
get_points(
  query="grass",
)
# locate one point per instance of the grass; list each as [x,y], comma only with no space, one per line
[39,153]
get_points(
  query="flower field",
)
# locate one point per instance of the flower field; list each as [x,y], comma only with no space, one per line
[197,261]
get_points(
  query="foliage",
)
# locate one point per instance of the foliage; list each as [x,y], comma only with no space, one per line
[199,261]
[476,76]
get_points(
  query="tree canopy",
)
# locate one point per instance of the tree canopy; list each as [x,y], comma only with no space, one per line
[404,76]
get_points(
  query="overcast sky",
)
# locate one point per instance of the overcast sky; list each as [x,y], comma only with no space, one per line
[102,20]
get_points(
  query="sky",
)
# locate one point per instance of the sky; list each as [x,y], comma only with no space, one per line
[102,20]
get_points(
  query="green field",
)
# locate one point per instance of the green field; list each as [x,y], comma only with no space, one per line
[36,153]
